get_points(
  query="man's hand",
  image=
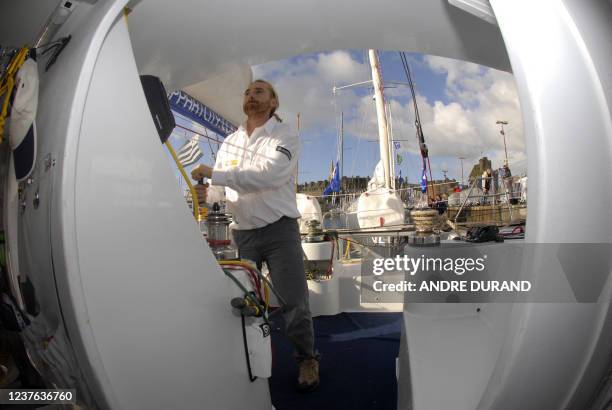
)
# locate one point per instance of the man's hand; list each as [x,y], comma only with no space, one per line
[201,192]
[201,171]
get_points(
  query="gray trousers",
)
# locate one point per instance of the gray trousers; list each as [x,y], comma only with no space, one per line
[279,245]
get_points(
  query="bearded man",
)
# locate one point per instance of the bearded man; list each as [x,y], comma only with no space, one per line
[255,174]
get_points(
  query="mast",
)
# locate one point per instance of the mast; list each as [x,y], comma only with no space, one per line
[383,136]
[391,145]
[341,150]
[297,162]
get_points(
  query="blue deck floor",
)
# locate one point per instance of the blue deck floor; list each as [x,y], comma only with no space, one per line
[357,366]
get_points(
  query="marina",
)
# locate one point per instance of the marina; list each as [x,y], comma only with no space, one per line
[426,292]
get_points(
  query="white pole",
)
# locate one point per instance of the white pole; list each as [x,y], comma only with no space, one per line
[461,158]
[391,145]
[382,118]
[341,151]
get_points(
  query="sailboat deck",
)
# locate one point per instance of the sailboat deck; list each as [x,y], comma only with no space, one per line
[358,364]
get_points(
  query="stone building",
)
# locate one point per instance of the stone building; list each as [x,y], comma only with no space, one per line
[483,164]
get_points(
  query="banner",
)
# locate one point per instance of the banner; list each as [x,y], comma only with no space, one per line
[186,105]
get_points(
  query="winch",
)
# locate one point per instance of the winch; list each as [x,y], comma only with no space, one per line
[218,236]
[314,232]
[318,252]
[424,221]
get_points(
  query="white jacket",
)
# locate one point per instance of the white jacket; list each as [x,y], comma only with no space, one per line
[255,175]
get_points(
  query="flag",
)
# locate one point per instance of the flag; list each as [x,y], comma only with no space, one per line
[190,153]
[399,159]
[334,184]
[331,171]
[424,179]
[396,144]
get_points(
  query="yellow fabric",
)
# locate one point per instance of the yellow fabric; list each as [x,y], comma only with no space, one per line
[8,82]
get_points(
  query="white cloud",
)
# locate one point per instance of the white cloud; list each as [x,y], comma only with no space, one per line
[455,69]
[466,125]
[463,126]
[305,86]
[339,66]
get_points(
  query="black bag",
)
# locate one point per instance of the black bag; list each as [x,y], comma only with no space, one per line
[483,234]
[158,105]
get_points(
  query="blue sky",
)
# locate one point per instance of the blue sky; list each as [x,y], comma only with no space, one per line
[459,103]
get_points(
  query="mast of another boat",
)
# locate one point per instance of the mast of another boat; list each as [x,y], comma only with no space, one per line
[391,145]
[341,151]
[297,162]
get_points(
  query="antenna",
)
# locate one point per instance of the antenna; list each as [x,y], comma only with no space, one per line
[461,159]
[501,131]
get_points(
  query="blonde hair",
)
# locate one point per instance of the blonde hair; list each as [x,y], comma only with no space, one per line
[274,95]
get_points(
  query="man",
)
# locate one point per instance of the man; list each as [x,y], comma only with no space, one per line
[507,180]
[254,173]
[440,204]
[486,185]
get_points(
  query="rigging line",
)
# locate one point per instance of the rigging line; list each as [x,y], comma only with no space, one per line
[213,154]
[338,124]
[195,124]
[189,120]
[417,122]
[199,134]
[407,72]
[335,110]
[362,125]
[219,142]
[361,128]
[338,146]
[417,118]
[362,131]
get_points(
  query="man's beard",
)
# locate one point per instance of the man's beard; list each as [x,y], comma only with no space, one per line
[252,107]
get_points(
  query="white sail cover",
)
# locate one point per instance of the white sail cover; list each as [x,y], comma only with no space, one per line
[309,209]
[380,207]
[378,179]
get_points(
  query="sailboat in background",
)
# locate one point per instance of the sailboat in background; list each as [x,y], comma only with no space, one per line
[380,206]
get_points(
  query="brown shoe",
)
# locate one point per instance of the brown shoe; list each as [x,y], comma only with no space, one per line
[8,370]
[308,380]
